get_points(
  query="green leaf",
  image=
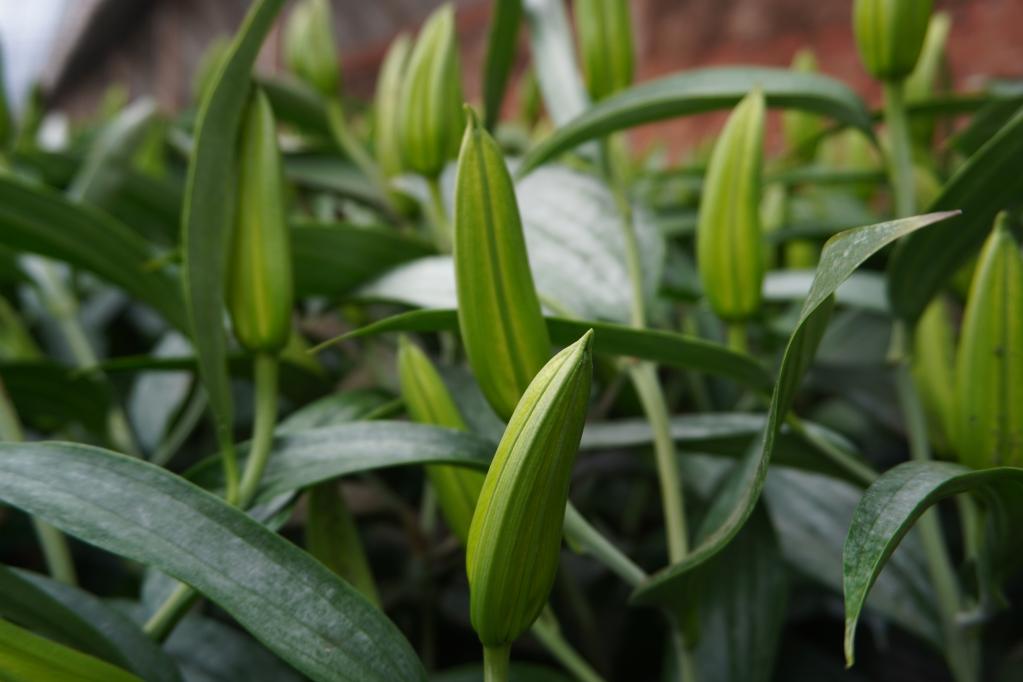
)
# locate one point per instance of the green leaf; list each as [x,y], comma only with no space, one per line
[286,599]
[99,174]
[553,52]
[70,616]
[987,183]
[49,396]
[500,58]
[699,91]
[24,656]
[38,220]
[663,347]
[297,104]
[841,256]
[890,507]
[207,217]
[331,173]
[338,408]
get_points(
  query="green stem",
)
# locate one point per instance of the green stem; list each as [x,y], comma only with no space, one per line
[52,542]
[171,611]
[442,231]
[861,471]
[900,149]
[263,431]
[549,634]
[189,419]
[961,649]
[356,152]
[580,532]
[648,388]
[495,663]
[737,340]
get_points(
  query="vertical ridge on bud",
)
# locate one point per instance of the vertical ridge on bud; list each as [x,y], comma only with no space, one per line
[890,34]
[604,28]
[728,234]
[387,106]
[259,287]
[309,48]
[428,402]
[430,120]
[515,537]
[989,365]
[499,311]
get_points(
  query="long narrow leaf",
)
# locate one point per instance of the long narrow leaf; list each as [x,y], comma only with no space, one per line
[497,65]
[25,656]
[286,599]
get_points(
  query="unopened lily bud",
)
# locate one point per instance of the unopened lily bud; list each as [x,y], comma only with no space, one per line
[430,121]
[604,28]
[728,235]
[499,311]
[890,35]
[259,286]
[309,48]
[989,365]
[802,129]
[515,538]
[387,106]
[428,402]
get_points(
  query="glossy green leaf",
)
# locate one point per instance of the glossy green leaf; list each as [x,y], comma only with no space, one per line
[24,656]
[289,601]
[890,507]
[337,408]
[984,185]
[663,347]
[38,220]
[841,256]
[73,617]
[209,202]
[331,173]
[702,90]
[502,44]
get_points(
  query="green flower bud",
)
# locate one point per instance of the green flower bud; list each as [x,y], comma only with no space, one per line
[890,35]
[259,285]
[515,538]
[605,43]
[428,402]
[309,49]
[851,150]
[989,365]
[922,83]
[499,312]
[728,235]
[934,369]
[387,106]
[802,130]
[430,120]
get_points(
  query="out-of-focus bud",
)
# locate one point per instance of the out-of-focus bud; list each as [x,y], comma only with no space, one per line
[499,311]
[850,150]
[309,48]
[530,102]
[890,35]
[801,129]
[923,82]
[934,359]
[604,28]
[428,402]
[989,365]
[430,120]
[728,235]
[515,538]
[387,106]
[259,286]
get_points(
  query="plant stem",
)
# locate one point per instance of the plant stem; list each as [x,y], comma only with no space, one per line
[263,431]
[861,471]
[960,643]
[356,152]
[442,232]
[171,611]
[737,337]
[550,636]
[495,663]
[52,542]
[578,530]
[900,149]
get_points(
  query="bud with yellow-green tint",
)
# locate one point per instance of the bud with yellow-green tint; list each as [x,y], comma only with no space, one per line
[309,48]
[922,83]
[890,35]
[259,284]
[989,365]
[934,369]
[605,44]
[428,402]
[802,130]
[499,311]
[728,235]
[515,538]
[386,106]
[430,119]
